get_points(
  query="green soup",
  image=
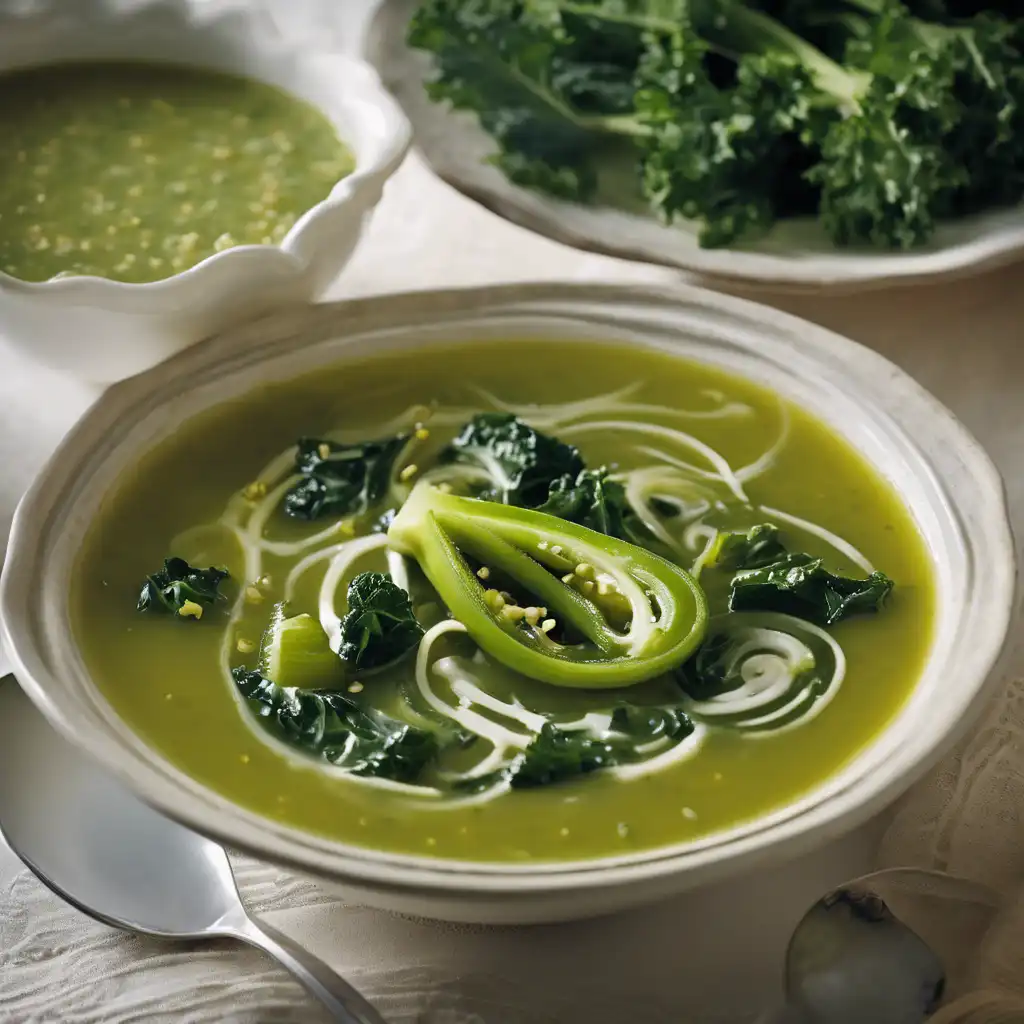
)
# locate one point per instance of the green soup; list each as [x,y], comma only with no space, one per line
[643,466]
[139,171]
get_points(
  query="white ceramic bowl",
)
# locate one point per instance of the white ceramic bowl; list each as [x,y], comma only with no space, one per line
[943,476]
[102,330]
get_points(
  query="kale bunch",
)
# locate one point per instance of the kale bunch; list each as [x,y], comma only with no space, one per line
[877,117]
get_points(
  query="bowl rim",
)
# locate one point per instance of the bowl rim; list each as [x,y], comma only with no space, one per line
[391,872]
[365,99]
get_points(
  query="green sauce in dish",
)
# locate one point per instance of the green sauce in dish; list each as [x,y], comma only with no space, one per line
[736,481]
[138,171]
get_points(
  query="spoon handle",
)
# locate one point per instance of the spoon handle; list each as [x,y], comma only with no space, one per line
[346,1005]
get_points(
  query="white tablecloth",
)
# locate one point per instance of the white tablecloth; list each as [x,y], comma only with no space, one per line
[710,956]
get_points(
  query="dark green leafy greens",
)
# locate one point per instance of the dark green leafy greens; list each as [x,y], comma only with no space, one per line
[379,626]
[521,463]
[560,755]
[171,588]
[596,501]
[800,585]
[549,97]
[557,754]
[758,546]
[341,479]
[328,725]
[531,469]
[879,118]
[644,723]
[706,674]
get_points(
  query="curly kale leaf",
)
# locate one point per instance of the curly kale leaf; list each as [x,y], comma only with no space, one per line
[646,723]
[328,725]
[935,134]
[531,84]
[758,546]
[560,755]
[729,157]
[556,754]
[800,585]
[379,626]
[341,479]
[596,501]
[521,463]
[182,589]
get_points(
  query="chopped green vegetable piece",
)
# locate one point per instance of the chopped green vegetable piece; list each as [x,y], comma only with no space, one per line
[800,585]
[341,479]
[542,93]
[328,725]
[380,626]
[758,546]
[182,589]
[522,464]
[557,754]
[591,610]
[599,503]
[295,652]
[645,723]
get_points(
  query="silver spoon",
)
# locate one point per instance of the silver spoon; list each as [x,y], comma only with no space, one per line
[851,960]
[112,857]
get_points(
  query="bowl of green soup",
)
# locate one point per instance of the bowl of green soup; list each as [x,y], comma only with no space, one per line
[515,604]
[168,169]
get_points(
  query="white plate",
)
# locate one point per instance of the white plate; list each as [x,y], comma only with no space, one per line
[795,255]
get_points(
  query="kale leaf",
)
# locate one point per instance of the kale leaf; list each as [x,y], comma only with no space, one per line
[543,90]
[645,723]
[730,157]
[522,464]
[757,547]
[708,673]
[556,754]
[596,501]
[182,589]
[800,585]
[341,479]
[379,626]
[326,724]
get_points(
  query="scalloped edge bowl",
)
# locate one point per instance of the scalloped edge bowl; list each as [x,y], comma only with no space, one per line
[943,476]
[101,330]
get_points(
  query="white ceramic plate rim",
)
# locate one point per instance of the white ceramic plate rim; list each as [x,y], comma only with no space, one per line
[456,148]
[904,416]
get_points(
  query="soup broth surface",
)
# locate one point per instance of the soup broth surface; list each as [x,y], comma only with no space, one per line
[137,171]
[166,678]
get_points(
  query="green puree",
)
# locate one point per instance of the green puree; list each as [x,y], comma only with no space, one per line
[161,674]
[139,171]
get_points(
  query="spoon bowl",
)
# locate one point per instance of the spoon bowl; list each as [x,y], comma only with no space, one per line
[851,960]
[114,858]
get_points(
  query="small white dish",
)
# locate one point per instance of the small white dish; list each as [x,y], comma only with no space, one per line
[942,475]
[794,257]
[101,330]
